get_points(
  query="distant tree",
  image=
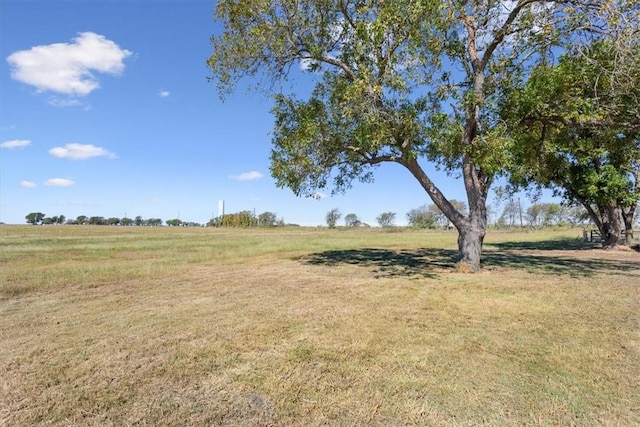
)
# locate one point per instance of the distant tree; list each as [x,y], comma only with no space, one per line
[491,213]
[332,217]
[113,221]
[97,220]
[351,220]
[534,214]
[173,222]
[82,219]
[34,218]
[47,221]
[441,218]
[386,219]
[267,219]
[191,224]
[138,221]
[153,222]
[421,217]
[551,213]
[510,213]
[61,219]
[574,214]
[126,221]
[238,219]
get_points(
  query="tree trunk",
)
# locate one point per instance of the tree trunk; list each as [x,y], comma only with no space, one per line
[472,228]
[470,240]
[611,227]
[627,216]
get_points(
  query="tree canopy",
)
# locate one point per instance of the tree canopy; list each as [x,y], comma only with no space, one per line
[578,132]
[404,81]
[332,217]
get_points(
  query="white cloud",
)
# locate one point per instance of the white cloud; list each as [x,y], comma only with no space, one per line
[28,184]
[319,195]
[16,143]
[80,152]
[58,182]
[163,93]
[247,176]
[68,68]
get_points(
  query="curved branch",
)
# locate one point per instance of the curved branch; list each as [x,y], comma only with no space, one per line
[504,31]
[434,192]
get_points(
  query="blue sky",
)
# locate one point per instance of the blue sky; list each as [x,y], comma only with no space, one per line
[105,110]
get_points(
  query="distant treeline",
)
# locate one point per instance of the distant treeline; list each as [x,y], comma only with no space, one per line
[240,219]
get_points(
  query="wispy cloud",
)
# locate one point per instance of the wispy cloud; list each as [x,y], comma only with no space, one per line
[319,195]
[28,184]
[58,182]
[247,176]
[68,68]
[66,102]
[163,93]
[80,152]
[16,143]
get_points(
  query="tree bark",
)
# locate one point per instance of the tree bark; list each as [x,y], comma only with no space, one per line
[611,227]
[627,216]
[470,241]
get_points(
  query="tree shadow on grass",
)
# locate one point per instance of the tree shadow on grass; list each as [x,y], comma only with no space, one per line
[564,244]
[388,263]
[431,262]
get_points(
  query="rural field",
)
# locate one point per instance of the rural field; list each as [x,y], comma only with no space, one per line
[140,326]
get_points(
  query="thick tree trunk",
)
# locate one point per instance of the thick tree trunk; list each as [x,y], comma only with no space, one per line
[472,228]
[470,240]
[627,216]
[611,227]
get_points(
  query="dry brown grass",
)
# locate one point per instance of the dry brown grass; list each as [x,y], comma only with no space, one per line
[112,326]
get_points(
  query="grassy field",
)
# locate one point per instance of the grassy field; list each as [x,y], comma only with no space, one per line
[174,326]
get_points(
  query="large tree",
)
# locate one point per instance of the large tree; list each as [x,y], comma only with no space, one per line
[578,132]
[395,81]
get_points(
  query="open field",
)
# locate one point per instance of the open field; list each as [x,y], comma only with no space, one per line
[187,326]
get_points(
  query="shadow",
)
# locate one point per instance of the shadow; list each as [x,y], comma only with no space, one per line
[389,263]
[558,265]
[430,262]
[564,244]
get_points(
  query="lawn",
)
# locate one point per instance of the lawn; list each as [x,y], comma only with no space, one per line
[298,326]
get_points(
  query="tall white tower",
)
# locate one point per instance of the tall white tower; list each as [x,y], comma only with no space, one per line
[220,208]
